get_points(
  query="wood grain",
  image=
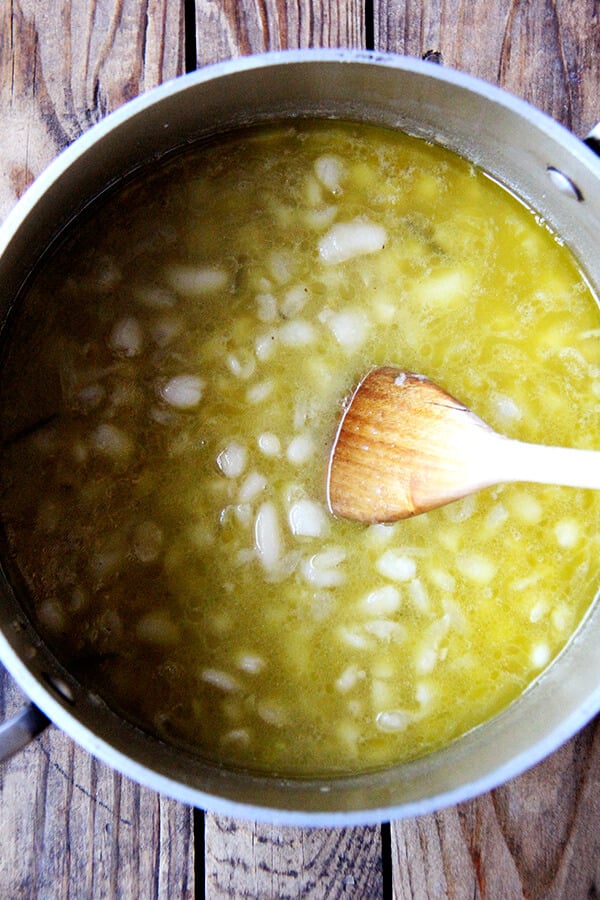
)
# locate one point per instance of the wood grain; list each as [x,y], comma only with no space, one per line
[536,837]
[252,860]
[228,28]
[546,52]
[64,65]
[69,826]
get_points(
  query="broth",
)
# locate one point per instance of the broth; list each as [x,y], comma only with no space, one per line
[169,395]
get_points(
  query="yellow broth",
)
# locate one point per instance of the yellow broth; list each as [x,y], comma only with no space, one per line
[169,395]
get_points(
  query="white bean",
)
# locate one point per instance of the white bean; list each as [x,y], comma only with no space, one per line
[294,301]
[540,655]
[538,611]
[349,678]
[271,712]
[506,410]
[426,660]
[322,569]
[496,517]
[266,306]
[567,533]
[243,513]
[526,508]
[445,288]
[378,535]
[442,579]
[253,485]
[320,217]
[268,540]
[396,566]
[424,693]
[354,637]
[182,391]
[91,396]
[243,367]
[112,441]
[265,345]
[300,449]
[236,737]
[219,679]
[455,614]
[562,618]
[476,567]
[331,556]
[393,720]
[157,628]
[281,266]
[107,273]
[259,392]
[51,615]
[349,327]
[297,333]
[382,601]
[308,518]
[329,169]
[419,595]
[165,330]
[269,444]
[147,541]
[251,663]
[346,240]
[461,510]
[348,734]
[429,651]
[126,338]
[232,460]
[192,280]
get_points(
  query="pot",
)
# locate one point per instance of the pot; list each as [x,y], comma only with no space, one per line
[549,169]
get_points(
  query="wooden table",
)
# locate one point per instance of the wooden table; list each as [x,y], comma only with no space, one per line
[69,826]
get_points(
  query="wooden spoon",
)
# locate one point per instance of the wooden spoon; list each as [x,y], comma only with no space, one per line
[405,446]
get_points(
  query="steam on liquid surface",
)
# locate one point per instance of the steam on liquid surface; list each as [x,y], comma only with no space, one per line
[185,358]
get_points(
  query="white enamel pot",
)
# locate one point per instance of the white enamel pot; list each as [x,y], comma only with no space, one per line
[549,169]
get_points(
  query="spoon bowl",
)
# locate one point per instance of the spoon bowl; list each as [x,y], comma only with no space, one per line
[405,446]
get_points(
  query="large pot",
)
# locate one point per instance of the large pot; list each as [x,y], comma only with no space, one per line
[551,170]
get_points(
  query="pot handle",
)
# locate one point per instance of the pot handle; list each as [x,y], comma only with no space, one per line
[22,728]
[592,139]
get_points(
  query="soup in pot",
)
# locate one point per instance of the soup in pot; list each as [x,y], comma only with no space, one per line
[171,385]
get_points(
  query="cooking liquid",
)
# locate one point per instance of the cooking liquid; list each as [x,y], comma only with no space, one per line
[169,397]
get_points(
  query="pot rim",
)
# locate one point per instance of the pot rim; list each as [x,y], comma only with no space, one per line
[60,714]
[277,58]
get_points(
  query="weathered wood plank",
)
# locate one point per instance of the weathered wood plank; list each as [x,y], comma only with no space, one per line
[438,856]
[546,52]
[64,65]
[250,860]
[549,819]
[69,826]
[228,28]
[536,836]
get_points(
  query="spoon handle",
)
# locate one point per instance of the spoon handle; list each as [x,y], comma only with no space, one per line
[519,461]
